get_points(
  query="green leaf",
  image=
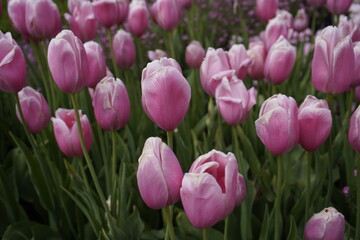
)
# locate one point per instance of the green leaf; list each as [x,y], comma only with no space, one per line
[293,229]
[30,230]
[265,225]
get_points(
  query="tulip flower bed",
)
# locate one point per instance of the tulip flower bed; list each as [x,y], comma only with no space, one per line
[180,119]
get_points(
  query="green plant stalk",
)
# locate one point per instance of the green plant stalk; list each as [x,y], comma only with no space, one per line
[50,78]
[169,225]
[226,228]
[170,141]
[113,173]
[113,60]
[313,25]
[171,44]
[330,100]
[357,234]
[278,217]
[205,234]
[308,185]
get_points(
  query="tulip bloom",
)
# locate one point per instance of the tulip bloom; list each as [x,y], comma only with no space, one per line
[210,190]
[16,10]
[159,174]
[124,49]
[279,61]
[167,13]
[194,54]
[138,18]
[123,11]
[12,65]
[97,63]
[333,62]
[35,109]
[338,7]
[315,123]
[278,125]
[68,62]
[66,132]
[157,54]
[266,9]
[257,53]
[111,104]
[301,21]
[327,224]
[239,60]
[106,12]
[316,3]
[165,93]
[234,101]
[72,4]
[354,132]
[275,28]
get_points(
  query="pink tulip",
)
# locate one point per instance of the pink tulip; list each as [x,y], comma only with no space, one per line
[186,3]
[68,62]
[239,60]
[123,11]
[82,21]
[194,54]
[356,74]
[333,61]
[279,61]
[209,191]
[301,21]
[214,67]
[266,9]
[315,123]
[167,13]
[12,65]
[96,62]
[35,109]
[159,174]
[138,18]
[274,29]
[327,224]
[349,27]
[257,53]
[66,132]
[165,93]
[106,12]
[354,130]
[316,3]
[16,10]
[72,4]
[111,104]
[338,7]
[278,125]
[234,101]
[124,49]
[42,19]
[157,54]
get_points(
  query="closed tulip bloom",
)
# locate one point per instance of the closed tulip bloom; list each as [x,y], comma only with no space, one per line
[165,93]
[354,130]
[72,4]
[257,53]
[338,7]
[16,11]
[209,190]
[194,54]
[12,65]
[328,224]
[316,3]
[124,49]
[315,123]
[35,109]
[278,125]
[68,62]
[279,61]
[214,67]
[82,21]
[349,27]
[106,12]
[356,75]
[167,13]
[275,28]
[301,21]
[239,60]
[123,11]
[157,54]
[159,174]
[96,63]
[333,62]
[266,9]
[138,18]
[42,19]
[66,132]
[234,101]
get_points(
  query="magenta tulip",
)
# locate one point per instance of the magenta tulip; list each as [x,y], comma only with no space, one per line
[194,54]
[106,12]
[138,18]
[111,104]
[275,28]
[68,62]
[96,63]
[316,3]
[266,9]
[315,123]
[123,11]
[167,13]
[349,27]
[338,7]
[257,53]
[72,4]
[124,49]
[66,132]
[301,21]
[354,130]
[328,224]
[157,54]
[333,62]
[234,101]
[159,174]
[12,65]
[16,10]
[278,125]
[35,109]
[165,93]
[239,60]
[356,75]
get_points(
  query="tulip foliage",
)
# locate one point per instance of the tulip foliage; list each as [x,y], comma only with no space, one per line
[179,119]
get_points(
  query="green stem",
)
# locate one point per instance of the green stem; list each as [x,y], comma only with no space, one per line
[169,225]
[330,99]
[313,25]
[113,173]
[116,70]
[50,79]
[278,217]
[358,199]
[171,44]
[205,234]
[308,185]
[170,139]
[226,228]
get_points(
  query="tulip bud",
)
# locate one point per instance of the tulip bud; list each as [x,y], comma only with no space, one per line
[333,61]
[72,4]
[327,224]
[16,11]
[157,54]
[266,9]
[106,12]
[42,18]
[214,67]
[356,75]
[257,53]
[194,54]
[338,7]
[165,93]
[66,132]
[123,10]
[239,60]
[316,3]
[124,49]
[209,191]
[354,130]
[167,13]
[111,104]
[96,63]
[301,20]
[234,101]
[159,174]
[12,65]
[82,21]
[315,123]
[274,29]
[138,18]
[68,62]
[34,108]
[278,125]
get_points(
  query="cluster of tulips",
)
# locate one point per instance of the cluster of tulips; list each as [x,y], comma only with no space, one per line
[71,64]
